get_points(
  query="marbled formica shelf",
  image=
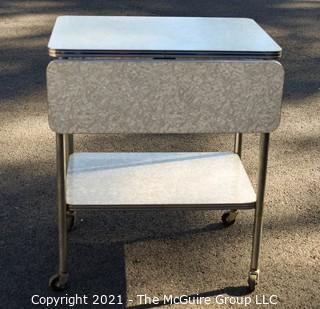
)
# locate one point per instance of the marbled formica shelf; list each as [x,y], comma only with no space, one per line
[139,180]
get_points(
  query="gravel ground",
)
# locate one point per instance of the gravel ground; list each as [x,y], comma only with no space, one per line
[157,253]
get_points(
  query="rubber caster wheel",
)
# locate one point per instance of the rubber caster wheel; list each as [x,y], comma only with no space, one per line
[58,282]
[252,282]
[229,218]
[70,220]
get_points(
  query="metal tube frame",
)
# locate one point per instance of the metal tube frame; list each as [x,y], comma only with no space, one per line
[238,144]
[61,204]
[68,150]
[64,147]
[258,215]
[238,150]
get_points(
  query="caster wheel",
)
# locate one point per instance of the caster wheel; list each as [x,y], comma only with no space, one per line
[58,282]
[252,282]
[70,220]
[229,218]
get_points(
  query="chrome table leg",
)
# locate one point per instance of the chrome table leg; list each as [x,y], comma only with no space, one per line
[59,281]
[229,217]
[238,144]
[258,215]
[68,150]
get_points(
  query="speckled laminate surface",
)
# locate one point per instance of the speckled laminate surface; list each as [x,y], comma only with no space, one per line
[154,178]
[164,96]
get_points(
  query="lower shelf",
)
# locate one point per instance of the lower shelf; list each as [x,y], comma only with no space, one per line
[205,180]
